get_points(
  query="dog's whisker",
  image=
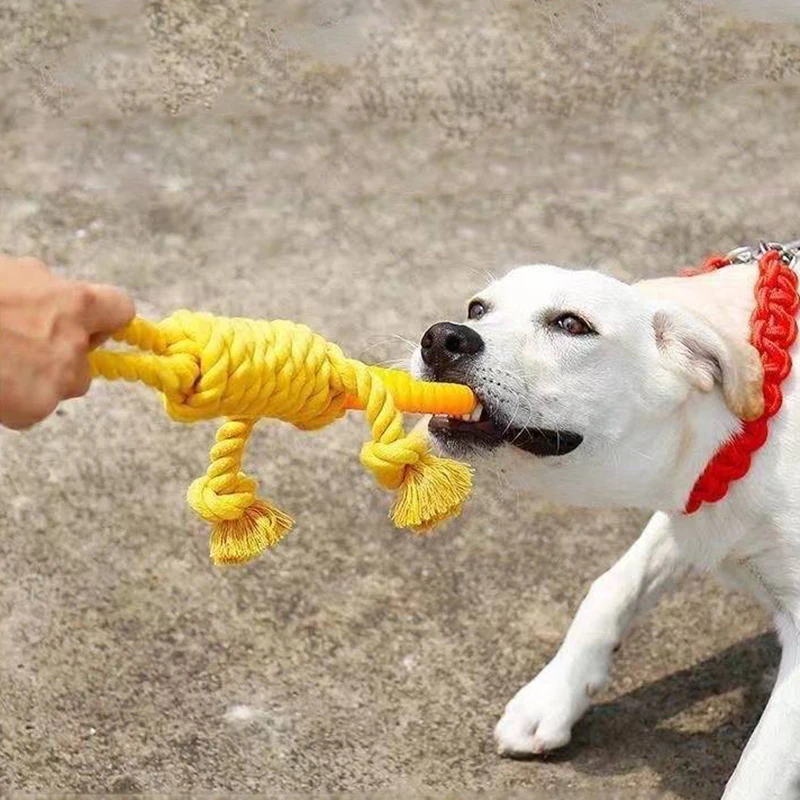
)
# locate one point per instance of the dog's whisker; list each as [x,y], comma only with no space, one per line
[384,342]
[514,415]
[484,274]
[380,341]
[410,343]
[629,447]
[527,426]
[399,363]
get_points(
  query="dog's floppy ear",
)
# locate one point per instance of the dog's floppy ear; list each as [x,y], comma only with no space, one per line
[707,357]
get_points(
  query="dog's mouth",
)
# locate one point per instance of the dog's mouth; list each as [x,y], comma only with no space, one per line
[481,430]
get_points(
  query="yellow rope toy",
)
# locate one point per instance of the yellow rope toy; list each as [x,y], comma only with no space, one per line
[206,366]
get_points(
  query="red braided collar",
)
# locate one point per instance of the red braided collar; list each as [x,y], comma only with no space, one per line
[773,331]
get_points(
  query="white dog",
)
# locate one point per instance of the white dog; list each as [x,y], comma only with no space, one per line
[595,392]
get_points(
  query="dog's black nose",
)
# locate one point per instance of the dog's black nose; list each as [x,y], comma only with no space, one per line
[445,343]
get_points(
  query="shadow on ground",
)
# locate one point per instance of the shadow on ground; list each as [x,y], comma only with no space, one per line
[633,730]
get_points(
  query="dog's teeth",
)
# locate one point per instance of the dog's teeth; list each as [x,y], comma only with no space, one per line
[476,414]
[466,417]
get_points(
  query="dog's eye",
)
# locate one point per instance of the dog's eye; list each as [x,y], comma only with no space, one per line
[476,309]
[573,325]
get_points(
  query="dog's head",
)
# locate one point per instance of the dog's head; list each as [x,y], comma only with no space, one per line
[586,382]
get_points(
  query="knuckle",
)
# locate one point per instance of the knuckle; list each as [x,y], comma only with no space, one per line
[79,342]
[79,300]
[74,343]
[69,338]
[128,308]
[73,378]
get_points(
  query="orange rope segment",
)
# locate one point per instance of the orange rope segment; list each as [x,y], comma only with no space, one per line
[421,397]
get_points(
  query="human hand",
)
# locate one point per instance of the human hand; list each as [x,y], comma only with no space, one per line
[48,325]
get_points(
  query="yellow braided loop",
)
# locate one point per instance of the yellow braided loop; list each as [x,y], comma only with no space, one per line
[143,334]
[224,492]
[207,367]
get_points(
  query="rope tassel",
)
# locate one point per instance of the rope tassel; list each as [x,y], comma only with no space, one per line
[207,367]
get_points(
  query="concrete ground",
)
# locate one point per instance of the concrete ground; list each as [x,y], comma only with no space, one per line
[360,166]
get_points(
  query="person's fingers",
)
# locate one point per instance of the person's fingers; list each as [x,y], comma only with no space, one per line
[38,405]
[106,308]
[78,382]
[17,420]
[33,267]
[96,339]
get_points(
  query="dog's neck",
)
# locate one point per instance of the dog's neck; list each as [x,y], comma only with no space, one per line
[706,421]
[705,424]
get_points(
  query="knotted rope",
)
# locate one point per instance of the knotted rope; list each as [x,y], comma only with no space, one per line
[773,328]
[242,369]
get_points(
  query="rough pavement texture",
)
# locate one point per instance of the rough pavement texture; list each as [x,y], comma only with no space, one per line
[359,166]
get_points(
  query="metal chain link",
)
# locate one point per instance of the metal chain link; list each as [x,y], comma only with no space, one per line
[789,251]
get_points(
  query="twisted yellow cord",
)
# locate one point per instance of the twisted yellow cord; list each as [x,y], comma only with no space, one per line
[242,369]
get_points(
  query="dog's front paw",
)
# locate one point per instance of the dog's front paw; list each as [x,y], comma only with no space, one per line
[541,715]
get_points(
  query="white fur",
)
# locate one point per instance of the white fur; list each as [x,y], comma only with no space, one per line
[655,394]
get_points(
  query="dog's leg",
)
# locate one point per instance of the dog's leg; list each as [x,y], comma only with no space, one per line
[541,715]
[770,764]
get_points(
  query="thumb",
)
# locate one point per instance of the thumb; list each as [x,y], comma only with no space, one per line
[109,308]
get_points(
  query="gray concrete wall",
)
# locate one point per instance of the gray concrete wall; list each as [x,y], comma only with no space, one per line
[359,166]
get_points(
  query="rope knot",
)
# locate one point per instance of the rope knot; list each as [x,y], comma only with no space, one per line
[223,498]
[388,462]
[430,489]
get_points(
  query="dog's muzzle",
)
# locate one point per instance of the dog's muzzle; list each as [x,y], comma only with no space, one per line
[448,350]
[446,344]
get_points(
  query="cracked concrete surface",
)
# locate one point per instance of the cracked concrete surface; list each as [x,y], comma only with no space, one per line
[360,166]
